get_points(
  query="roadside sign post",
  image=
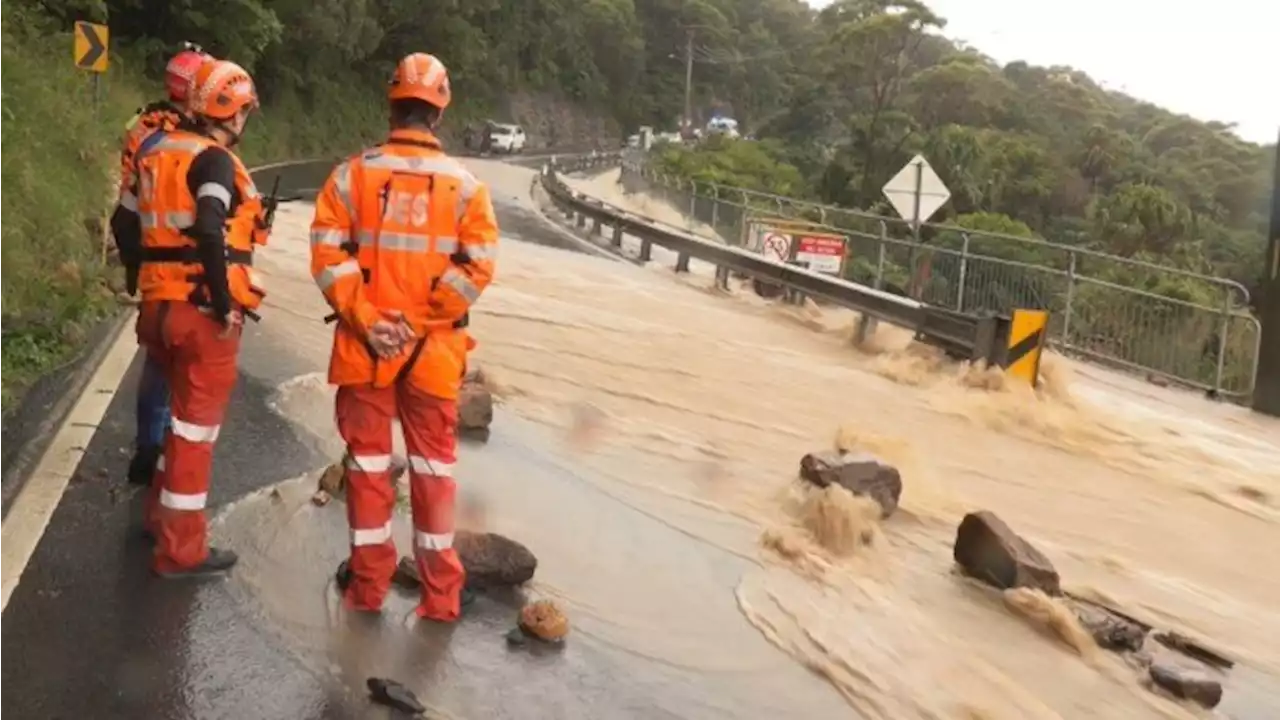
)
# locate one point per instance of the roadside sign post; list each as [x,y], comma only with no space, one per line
[89,52]
[916,193]
[794,242]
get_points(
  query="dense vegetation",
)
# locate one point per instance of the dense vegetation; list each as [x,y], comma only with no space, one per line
[844,95]
[868,83]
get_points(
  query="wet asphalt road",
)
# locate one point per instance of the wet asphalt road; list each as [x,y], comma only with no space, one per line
[91,634]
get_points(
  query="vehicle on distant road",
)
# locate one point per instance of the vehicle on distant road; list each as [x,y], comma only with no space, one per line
[509,139]
[723,126]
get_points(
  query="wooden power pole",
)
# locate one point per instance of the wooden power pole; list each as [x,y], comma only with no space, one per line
[1266,389]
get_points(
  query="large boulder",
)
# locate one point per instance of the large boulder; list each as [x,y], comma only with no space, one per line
[490,559]
[475,408]
[987,549]
[859,473]
[1186,684]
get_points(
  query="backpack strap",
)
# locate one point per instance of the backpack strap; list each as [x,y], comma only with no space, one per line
[152,140]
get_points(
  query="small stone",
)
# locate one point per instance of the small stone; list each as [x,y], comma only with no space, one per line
[516,637]
[474,376]
[544,620]
[394,695]
[492,560]
[333,478]
[859,473]
[475,407]
[477,434]
[1109,630]
[1187,684]
[398,469]
[987,549]
[406,574]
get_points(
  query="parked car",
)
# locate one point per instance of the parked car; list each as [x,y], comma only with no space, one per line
[508,139]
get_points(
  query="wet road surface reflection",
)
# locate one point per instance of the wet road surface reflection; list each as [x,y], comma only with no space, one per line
[656,631]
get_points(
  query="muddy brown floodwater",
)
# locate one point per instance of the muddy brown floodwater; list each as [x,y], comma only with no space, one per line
[700,404]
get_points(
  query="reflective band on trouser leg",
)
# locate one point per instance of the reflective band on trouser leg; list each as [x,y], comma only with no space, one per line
[364,421]
[181,496]
[430,437]
[201,370]
[153,497]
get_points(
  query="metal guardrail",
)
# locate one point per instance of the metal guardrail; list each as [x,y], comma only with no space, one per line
[1183,326]
[302,179]
[963,335]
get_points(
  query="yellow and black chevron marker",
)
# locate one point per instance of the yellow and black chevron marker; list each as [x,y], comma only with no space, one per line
[1027,336]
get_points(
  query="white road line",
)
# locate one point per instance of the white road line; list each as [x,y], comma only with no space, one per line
[32,509]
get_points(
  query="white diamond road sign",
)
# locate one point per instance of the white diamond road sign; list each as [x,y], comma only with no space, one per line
[916,182]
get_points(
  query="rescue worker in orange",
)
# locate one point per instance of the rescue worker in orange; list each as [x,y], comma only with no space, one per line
[163,115]
[143,131]
[196,218]
[402,245]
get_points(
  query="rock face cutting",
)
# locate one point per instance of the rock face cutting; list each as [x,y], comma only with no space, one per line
[859,473]
[988,550]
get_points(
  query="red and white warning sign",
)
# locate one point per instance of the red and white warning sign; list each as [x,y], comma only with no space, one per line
[777,246]
[821,253]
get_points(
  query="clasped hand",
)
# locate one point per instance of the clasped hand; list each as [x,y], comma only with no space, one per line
[391,335]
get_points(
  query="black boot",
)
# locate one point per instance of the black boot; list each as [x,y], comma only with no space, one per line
[142,468]
[343,575]
[219,561]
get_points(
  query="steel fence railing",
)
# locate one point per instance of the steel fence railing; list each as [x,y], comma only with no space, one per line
[1175,324]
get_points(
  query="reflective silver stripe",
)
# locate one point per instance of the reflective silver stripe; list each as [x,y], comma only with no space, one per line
[369,463]
[180,145]
[428,165]
[458,280]
[433,541]
[330,275]
[179,501]
[394,240]
[342,184]
[171,220]
[332,238]
[371,536]
[195,433]
[129,201]
[415,164]
[408,242]
[214,190]
[483,252]
[423,466]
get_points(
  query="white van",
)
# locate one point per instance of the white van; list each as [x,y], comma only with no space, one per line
[506,138]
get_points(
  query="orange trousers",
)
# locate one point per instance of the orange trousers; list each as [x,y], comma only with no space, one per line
[201,369]
[364,415]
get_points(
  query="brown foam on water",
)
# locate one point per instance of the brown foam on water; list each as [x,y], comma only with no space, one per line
[839,521]
[1053,615]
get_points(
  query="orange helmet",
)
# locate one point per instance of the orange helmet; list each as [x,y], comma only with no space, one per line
[221,89]
[181,71]
[421,77]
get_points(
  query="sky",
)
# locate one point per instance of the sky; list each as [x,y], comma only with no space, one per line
[1215,60]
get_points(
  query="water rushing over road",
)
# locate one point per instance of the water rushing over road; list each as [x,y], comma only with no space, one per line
[668,419]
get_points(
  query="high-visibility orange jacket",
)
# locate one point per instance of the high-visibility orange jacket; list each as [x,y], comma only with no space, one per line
[166,203]
[158,116]
[403,227]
